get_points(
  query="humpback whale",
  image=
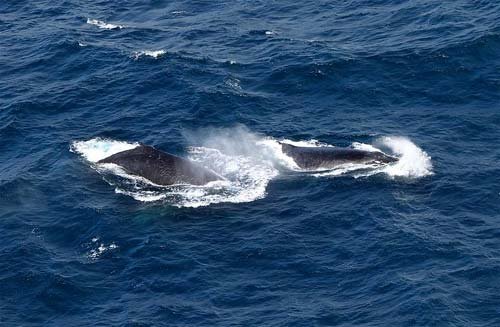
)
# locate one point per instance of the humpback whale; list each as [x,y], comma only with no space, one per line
[160,167]
[331,157]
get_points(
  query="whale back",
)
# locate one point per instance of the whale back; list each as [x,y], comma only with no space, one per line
[331,157]
[160,167]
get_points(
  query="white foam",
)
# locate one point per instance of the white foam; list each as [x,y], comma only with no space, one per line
[246,178]
[103,25]
[413,162]
[149,53]
[312,143]
[102,248]
[233,83]
[96,149]
[119,171]
[365,147]
[81,44]
[348,169]
[143,196]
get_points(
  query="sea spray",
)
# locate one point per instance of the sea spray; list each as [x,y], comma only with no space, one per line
[413,162]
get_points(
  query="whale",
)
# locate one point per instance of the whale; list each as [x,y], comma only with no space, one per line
[314,158]
[160,167]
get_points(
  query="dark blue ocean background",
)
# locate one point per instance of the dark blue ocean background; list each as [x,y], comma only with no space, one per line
[339,250]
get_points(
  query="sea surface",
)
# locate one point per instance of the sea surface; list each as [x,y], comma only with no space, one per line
[413,243]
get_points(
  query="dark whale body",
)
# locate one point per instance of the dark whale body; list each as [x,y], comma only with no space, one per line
[160,167]
[331,157]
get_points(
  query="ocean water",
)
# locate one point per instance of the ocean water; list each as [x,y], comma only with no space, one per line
[415,243]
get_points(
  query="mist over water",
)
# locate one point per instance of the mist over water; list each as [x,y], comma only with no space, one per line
[411,243]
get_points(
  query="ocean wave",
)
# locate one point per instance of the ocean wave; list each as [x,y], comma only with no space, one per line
[103,25]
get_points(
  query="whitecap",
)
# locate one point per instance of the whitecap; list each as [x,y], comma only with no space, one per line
[233,83]
[149,53]
[98,251]
[103,25]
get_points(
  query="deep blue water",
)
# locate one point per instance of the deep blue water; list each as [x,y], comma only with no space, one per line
[343,250]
